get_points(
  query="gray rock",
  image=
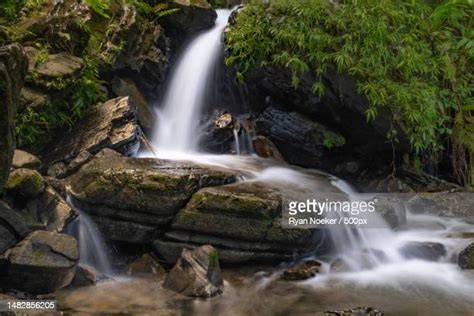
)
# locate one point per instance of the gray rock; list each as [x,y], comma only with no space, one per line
[107,125]
[197,273]
[126,87]
[431,251]
[13,68]
[76,163]
[242,220]
[86,276]
[466,257]
[26,183]
[134,196]
[392,210]
[58,170]
[33,99]
[145,266]
[12,227]
[22,159]
[358,311]
[42,263]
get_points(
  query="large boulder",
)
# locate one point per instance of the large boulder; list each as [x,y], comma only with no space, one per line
[241,220]
[197,273]
[25,183]
[42,263]
[300,140]
[112,124]
[431,251]
[13,69]
[53,71]
[12,227]
[135,197]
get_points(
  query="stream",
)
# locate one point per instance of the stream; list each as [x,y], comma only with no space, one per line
[395,285]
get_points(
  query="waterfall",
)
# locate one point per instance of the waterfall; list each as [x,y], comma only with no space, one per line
[93,250]
[179,111]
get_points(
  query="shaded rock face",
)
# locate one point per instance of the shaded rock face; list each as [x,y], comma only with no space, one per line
[197,273]
[300,140]
[12,227]
[192,17]
[266,148]
[133,197]
[42,263]
[466,257]
[13,69]
[112,124]
[218,132]
[241,220]
[341,108]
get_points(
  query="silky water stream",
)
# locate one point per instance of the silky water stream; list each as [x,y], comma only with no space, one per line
[395,285]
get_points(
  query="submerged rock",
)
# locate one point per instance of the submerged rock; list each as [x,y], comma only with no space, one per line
[466,257]
[13,69]
[359,311]
[242,220]
[135,197]
[111,124]
[302,271]
[431,251]
[42,263]
[197,273]
[22,159]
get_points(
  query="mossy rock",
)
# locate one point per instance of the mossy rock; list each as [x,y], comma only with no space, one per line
[26,182]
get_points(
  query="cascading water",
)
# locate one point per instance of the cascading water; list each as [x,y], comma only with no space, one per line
[177,132]
[93,250]
[177,124]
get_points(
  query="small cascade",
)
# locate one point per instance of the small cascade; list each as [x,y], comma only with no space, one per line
[93,250]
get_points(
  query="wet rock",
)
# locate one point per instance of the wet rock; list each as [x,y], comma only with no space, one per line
[466,257]
[42,263]
[86,276]
[266,148]
[218,132]
[242,218]
[192,17]
[26,183]
[431,251]
[55,71]
[107,125]
[126,87]
[365,259]
[359,311]
[134,197]
[419,205]
[145,266]
[22,159]
[12,227]
[302,271]
[392,210]
[53,210]
[197,273]
[58,170]
[299,139]
[13,69]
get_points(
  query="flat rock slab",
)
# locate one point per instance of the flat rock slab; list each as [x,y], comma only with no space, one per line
[137,195]
[112,124]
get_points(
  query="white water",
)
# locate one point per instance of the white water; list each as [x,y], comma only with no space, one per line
[93,250]
[176,138]
[177,126]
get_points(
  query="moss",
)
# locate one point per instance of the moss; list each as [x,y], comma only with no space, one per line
[26,182]
[213,257]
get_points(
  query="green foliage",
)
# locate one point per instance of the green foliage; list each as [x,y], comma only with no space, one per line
[410,57]
[9,10]
[152,12]
[332,140]
[101,7]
